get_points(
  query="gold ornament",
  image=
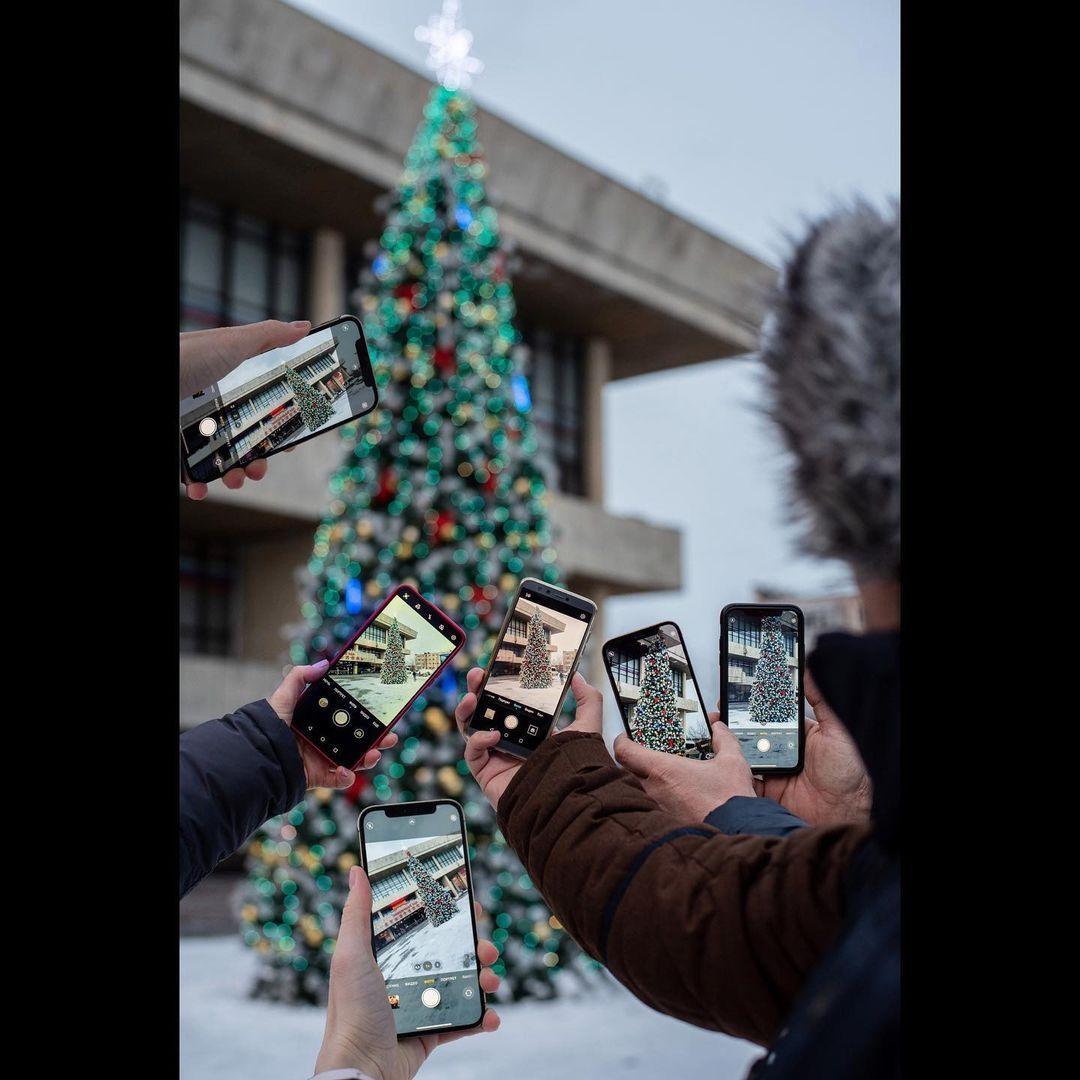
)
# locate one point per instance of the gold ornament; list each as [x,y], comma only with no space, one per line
[437,720]
[450,780]
[249,913]
[347,861]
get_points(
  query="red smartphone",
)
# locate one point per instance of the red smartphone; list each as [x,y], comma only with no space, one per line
[376,677]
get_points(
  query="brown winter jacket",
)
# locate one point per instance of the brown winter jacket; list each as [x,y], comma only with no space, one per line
[720,931]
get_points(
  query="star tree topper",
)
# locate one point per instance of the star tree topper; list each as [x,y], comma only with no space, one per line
[448,48]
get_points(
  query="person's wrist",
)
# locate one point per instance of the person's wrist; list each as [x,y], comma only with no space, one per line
[339,1052]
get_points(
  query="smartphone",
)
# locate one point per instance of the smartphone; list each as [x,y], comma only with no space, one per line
[277,400]
[761,684]
[374,679]
[658,695]
[423,926]
[537,652]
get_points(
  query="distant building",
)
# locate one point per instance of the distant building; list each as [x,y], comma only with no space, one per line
[821,614]
[512,651]
[429,661]
[568,658]
[366,654]
[395,905]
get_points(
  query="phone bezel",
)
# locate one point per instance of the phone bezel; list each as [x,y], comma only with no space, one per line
[769,770]
[408,809]
[648,631]
[423,686]
[364,357]
[553,591]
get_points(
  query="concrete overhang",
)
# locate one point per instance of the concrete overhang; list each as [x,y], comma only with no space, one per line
[307,126]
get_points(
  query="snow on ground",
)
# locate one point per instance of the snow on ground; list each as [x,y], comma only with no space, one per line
[383,700]
[450,944]
[227,1036]
[545,700]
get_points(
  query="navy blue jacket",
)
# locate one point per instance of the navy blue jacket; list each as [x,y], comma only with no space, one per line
[235,774]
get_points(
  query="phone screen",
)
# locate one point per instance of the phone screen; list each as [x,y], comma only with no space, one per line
[276,400]
[422,920]
[532,665]
[658,696]
[389,662]
[763,684]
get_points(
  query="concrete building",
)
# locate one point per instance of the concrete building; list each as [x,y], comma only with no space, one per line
[821,614]
[395,903]
[509,658]
[289,132]
[429,661]
[744,651]
[365,655]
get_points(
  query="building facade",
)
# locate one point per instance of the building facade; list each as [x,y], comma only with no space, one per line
[511,654]
[840,611]
[744,651]
[629,671]
[396,905]
[290,134]
[365,655]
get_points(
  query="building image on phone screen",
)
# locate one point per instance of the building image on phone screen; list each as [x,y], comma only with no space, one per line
[763,685]
[386,666]
[535,656]
[273,400]
[653,682]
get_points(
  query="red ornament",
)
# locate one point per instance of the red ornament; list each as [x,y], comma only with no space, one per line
[354,792]
[445,361]
[388,483]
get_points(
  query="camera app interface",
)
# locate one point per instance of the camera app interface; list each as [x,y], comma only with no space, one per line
[274,400]
[763,686]
[422,918]
[531,668]
[657,694]
[368,687]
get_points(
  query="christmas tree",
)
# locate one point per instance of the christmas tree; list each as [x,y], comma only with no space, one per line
[772,697]
[535,664]
[658,721]
[438,902]
[393,665]
[440,488]
[315,410]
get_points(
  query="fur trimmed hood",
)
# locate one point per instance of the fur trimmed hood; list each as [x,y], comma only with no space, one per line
[831,349]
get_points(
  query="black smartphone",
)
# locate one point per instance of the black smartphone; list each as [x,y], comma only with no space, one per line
[658,695]
[399,651]
[277,400]
[537,652]
[423,926]
[761,684]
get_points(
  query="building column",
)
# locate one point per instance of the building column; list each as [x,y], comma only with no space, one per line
[597,373]
[328,299]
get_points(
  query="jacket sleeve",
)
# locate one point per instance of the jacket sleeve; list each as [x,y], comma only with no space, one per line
[235,773]
[742,815]
[720,931]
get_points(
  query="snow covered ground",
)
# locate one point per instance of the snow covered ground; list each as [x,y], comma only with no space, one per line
[227,1036]
[450,944]
[545,700]
[383,700]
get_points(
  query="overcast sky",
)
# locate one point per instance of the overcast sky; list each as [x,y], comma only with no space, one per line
[742,115]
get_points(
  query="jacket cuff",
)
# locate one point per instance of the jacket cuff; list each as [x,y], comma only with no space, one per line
[283,743]
[750,815]
[573,750]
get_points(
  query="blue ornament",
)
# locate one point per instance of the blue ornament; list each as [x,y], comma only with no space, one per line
[463,216]
[354,597]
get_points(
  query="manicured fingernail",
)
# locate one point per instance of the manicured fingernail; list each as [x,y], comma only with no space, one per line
[345,774]
[354,876]
[300,324]
[321,665]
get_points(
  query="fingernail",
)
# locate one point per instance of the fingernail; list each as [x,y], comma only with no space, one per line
[354,876]
[300,324]
[345,774]
[321,665]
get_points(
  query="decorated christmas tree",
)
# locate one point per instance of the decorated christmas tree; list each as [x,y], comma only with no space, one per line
[658,721]
[536,663]
[438,902]
[772,697]
[315,410]
[393,665]
[441,488]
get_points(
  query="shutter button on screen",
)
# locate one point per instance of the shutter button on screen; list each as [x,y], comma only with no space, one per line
[763,745]
[341,718]
[431,997]
[207,426]
[510,722]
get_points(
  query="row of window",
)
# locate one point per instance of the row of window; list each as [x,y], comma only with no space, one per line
[628,669]
[376,633]
[397,882]
[747,631]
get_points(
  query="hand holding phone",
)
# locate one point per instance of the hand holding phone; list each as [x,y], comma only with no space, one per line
[534,660]
[272,401]
[659,698]
[399,651]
